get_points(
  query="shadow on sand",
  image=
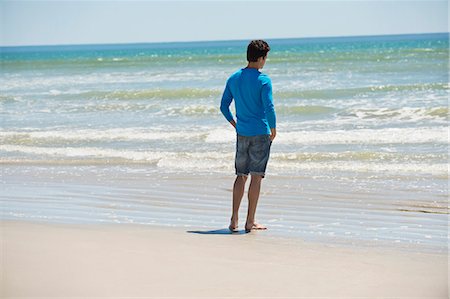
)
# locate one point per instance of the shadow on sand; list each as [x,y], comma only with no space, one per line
[223,231]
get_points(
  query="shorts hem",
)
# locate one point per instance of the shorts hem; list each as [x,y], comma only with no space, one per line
[242,174]
[258,173]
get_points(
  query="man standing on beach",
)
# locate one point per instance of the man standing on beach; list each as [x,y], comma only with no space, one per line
[255,127]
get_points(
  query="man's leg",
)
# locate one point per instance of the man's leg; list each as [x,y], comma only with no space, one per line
[253,196]
[238,193]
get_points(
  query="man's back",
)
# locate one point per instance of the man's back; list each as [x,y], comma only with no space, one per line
[252,93]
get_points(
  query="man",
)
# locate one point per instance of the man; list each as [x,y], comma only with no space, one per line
[255,127]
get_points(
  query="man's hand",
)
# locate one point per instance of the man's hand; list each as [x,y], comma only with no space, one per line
[233,123]
[273,133]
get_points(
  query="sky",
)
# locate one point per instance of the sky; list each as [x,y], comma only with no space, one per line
[104,22]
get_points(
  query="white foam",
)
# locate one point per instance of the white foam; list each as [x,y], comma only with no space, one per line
[221,135]
[84,152]
[367,136]
[227,135]
[117,134]
[212,161]
[64,82]
[439,169]
[192,110]
[413,114]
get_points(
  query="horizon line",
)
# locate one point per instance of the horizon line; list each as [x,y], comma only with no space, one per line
[224,40]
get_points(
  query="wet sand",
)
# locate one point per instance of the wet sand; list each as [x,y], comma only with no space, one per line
[314,209]
[84,261]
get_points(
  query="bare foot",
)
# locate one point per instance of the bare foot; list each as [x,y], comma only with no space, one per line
[233,225]
[255,226]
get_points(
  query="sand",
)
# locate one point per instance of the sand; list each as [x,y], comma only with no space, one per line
[117,261]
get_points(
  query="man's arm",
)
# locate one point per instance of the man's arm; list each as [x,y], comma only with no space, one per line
[269,108]
[225,103]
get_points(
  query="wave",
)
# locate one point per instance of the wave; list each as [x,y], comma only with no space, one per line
[338,93]
[190,93]
[436,135]
[404,113]
[437,169]
[76,136]
[182,93]
[379,113]
[85,152]
[10,99]
[368,156]
[208,100]
[304,110]
[439,112]
[410,135]
[192,110]
[123,61]
[218,161]
[65,83]
[393,136]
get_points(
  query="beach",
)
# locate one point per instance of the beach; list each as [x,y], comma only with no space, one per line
[127,261]
[126,235]
[117,168]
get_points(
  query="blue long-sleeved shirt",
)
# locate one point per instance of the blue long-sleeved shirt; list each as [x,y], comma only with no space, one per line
[252,94]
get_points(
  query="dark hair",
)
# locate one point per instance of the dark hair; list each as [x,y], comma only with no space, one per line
[257,48]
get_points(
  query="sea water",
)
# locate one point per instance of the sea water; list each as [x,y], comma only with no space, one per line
[367,113]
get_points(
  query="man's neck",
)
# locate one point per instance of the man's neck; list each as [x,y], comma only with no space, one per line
[253,65]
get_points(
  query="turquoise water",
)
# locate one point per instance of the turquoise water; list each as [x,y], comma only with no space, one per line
[367,110]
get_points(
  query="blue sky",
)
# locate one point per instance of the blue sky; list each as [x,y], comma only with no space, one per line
[89,22]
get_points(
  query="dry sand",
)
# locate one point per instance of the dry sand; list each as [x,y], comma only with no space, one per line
[87,261]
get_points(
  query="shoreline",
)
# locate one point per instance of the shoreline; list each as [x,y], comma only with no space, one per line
[271,233]
[317,209]
[60,260]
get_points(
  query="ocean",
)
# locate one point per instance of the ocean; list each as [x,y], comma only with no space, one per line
[361,151]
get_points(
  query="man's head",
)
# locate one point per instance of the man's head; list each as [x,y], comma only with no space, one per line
[257,51]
